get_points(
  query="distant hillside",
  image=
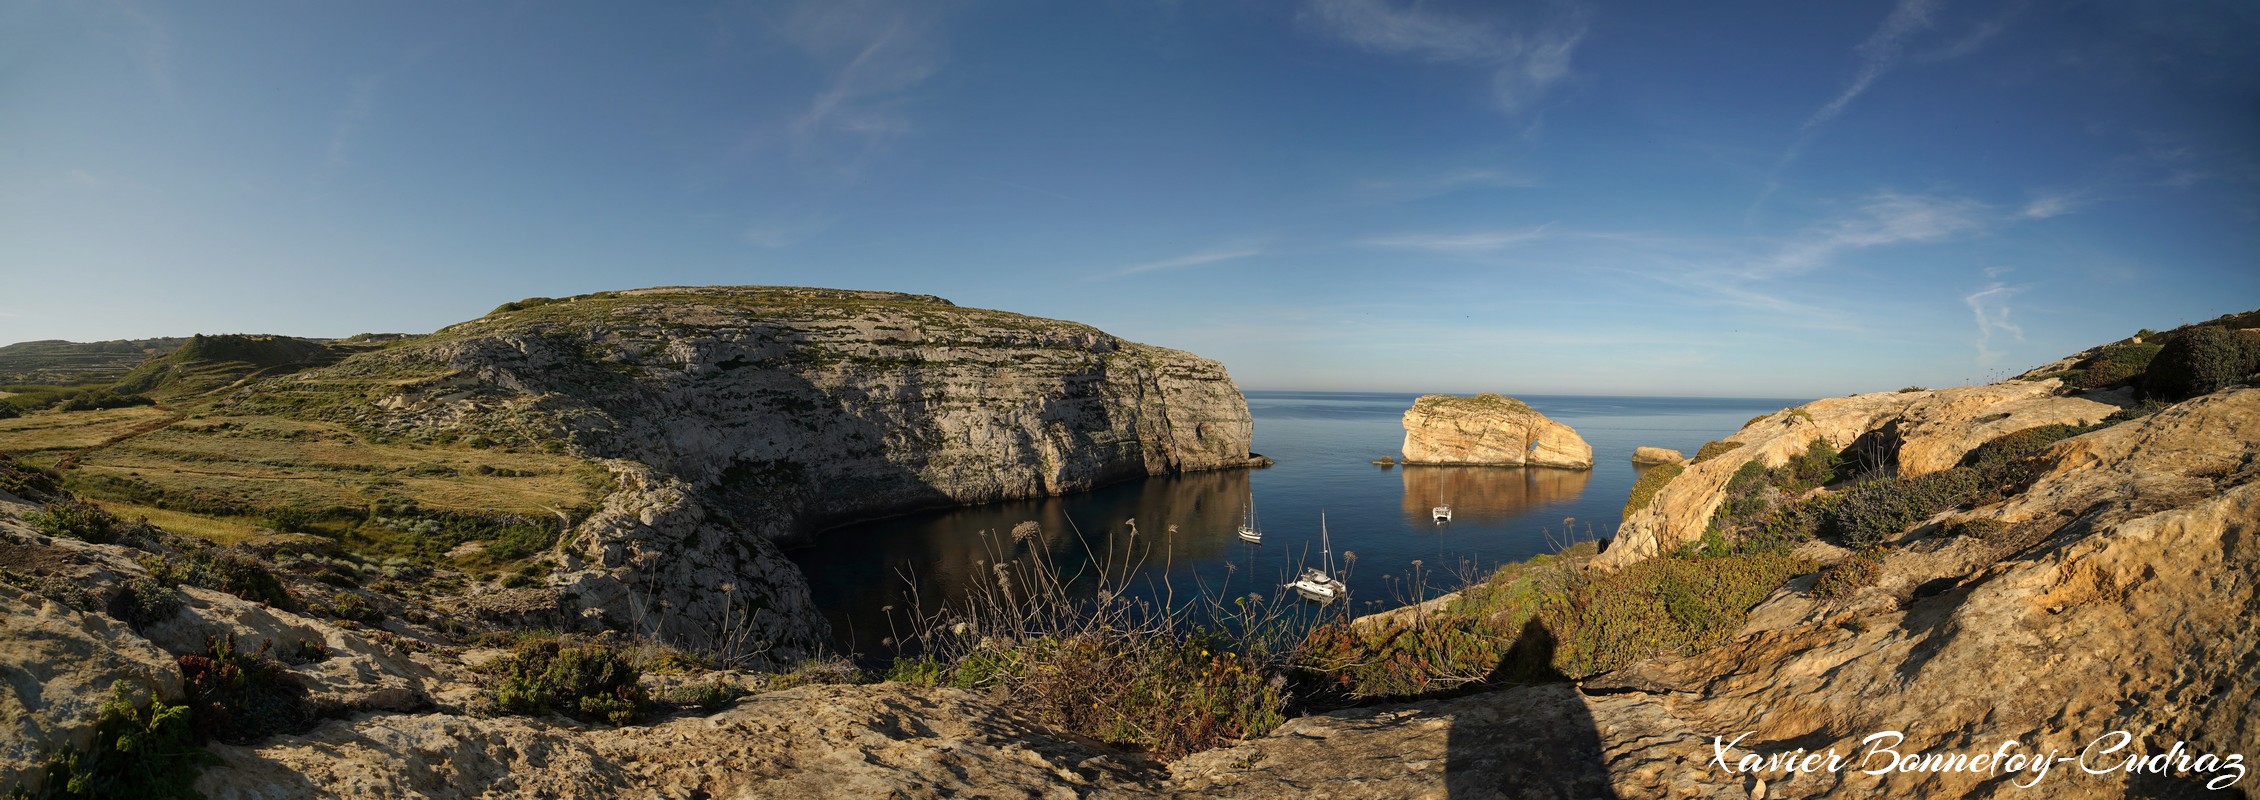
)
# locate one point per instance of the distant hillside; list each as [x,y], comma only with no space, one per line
[58,361]
[204,363]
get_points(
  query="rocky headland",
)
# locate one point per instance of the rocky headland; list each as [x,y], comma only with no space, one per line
[2031,567]
[1489,430]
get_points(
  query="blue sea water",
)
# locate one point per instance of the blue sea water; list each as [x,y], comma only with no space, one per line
[1324,443]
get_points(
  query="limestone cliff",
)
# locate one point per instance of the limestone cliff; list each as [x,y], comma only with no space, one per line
[736,418]
[1489,430]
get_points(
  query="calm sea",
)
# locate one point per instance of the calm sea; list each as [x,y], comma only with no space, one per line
[1324,443]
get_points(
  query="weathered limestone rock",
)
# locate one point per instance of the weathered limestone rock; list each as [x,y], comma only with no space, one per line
[61,649]
[1920,432]
[1656,455]
[1489,430]
[733,418]
[814,741]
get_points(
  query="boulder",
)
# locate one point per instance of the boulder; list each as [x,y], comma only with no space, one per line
[1656,455]
[1489,430]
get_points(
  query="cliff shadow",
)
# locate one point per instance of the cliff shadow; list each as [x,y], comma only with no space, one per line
[928,557]
[1534,739]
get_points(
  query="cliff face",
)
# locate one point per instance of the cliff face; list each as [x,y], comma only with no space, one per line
[735,418]
[1489,430]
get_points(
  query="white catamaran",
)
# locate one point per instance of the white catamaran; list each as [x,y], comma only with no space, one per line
[1320,584]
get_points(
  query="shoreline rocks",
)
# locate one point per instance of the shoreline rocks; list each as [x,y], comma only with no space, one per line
[1489,430]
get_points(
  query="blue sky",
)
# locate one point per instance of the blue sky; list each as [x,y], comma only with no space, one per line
[1779,199]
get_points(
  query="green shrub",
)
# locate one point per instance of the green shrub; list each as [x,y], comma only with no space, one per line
[27,481]
[1867,514]
[135,753]
[206,567]
[241,697]
[2200,361]
[1761,502]
[1669,604]
[1979,528]
[592,682]
[78,519]
[1652,481]
[1165,693]
[1713,450]
[9,411]
[2113,365]
[708,695]
[145,601]
[1848,576]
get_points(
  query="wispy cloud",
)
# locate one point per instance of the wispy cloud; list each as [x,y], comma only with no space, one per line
[876,55]
[1526,56]
[1405,189]
[2053,204]
[1468,243]
[1991,307]
[1883,51]
[1878,55]
[1887,218]
[1192,260]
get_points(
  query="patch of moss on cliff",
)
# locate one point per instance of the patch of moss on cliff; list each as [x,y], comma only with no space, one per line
[1652,481]
[1714,449]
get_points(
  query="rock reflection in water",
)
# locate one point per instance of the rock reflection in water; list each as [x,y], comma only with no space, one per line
[1488,494]
[944,552]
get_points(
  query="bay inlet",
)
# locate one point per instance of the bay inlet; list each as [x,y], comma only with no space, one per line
[1323,443]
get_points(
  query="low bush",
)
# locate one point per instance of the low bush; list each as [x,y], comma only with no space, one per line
[219,570]
[2200,360]
[27,481]
[1652,481]
[78,519]
[1867,514]
[591,682]
[145,601]
[136,752]
[707,694]
[2112,365]
[1673,603]
[1166,693]
[1850,575]
[1711,450]
[1979,528]
[241,697]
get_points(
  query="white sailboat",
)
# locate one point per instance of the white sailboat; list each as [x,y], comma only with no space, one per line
[1248,530]
[1442,513]
[1320,584]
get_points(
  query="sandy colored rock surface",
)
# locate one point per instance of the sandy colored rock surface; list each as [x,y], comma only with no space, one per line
[815,741]
[1928,431]
[1655,455]
[1489,430]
